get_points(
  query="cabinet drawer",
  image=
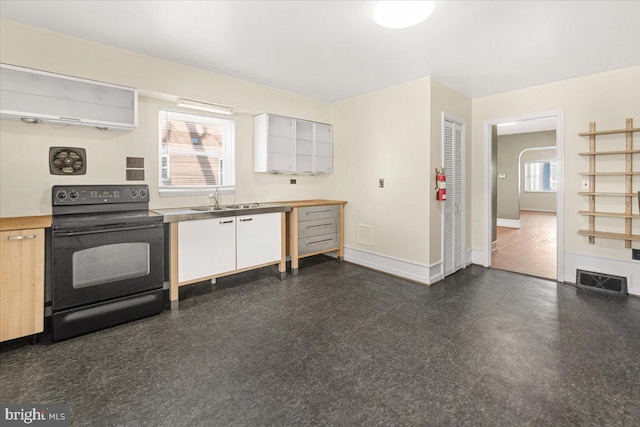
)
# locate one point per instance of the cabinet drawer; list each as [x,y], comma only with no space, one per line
[310,245]
[310,213]
[317,227]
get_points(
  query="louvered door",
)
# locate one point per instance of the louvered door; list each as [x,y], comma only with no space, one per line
[453,233]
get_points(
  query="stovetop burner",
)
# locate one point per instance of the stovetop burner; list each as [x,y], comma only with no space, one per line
[96,205]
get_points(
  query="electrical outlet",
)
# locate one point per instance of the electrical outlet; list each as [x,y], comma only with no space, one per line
[381,183]
[135,162]
[293,181]
[135,175]
[585,184]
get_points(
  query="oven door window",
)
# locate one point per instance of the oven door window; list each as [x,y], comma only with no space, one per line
[95,266]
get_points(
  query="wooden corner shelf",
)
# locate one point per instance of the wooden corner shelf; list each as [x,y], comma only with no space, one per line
[587,193]
[608,173]
[627,175]
[607,235]
[605,153]
[609,214]
[609,132]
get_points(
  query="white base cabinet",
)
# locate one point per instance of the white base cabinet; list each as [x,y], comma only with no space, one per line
[258,239]
[206,247]
[216,246]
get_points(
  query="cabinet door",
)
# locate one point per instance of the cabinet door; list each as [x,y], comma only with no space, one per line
[323,151]
[280,142]
[259,239]
[206,247]
[63,99]
[304,146]
[21,283]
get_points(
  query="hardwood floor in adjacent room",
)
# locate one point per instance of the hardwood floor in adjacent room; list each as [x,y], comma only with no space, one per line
[530,249]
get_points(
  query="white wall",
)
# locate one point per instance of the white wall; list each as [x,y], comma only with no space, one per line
[385,134]
[395,134]
[25,182]
[607,99]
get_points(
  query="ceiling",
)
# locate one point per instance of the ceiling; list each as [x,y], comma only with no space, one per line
[332,50]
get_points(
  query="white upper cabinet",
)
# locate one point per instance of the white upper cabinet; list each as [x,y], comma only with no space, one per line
[292,146]
[323,149]
[55,98]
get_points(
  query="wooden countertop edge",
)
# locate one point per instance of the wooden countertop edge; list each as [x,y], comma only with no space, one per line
[25,222]
[315,202]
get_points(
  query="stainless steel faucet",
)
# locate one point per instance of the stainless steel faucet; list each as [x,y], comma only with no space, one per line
[214,196]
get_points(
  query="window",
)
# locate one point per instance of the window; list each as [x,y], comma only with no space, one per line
[193,149]
[165,168]
[540,176]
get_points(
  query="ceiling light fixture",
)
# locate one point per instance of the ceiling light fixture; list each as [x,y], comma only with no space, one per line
[402,14]
[203,106]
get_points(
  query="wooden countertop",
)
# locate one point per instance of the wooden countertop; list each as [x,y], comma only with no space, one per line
[25,222]
[312,202]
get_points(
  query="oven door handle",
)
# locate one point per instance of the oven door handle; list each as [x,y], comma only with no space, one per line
[110,230]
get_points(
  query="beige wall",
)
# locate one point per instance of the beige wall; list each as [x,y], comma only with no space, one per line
[509,149]
[448,101]
[395,134]
[531,200]
[385,134]
[606,98]
[25,182]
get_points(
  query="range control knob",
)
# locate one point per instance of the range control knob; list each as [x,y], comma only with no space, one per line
[73,195]
[133,193]
[143,193]
[61,195]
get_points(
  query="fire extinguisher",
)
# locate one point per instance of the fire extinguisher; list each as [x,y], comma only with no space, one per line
[441,185]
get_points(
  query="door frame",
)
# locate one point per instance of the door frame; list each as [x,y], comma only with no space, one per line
[461,122]
[559,116]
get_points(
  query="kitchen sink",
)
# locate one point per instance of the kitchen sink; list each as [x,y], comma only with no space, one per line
[225,208]
[208,209]
[231,207]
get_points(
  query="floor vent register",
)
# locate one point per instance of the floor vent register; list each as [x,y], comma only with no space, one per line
[603,283]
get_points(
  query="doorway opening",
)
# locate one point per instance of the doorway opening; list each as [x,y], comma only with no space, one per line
[524,189]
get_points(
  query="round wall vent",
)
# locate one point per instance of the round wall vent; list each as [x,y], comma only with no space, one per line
[67,161]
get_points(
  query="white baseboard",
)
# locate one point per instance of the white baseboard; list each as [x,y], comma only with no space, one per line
[417,272]
[628,269]
[511,223]
[422,273]
[478,258]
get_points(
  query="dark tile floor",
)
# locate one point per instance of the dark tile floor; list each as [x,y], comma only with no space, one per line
[343,345]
